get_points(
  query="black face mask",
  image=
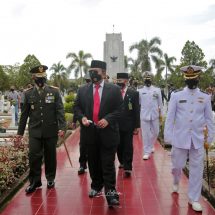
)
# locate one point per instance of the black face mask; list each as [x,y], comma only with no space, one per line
[192,83]
[121,85]
[95,77]
[40,81]
[148,82]
[11,90]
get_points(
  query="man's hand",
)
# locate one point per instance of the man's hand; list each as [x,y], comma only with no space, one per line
[85,121]
[61,133]
[136,131]
[206,146]
[103,123]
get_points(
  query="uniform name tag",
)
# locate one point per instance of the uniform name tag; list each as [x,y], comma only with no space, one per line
[182,101]
[200,101]
[143,93]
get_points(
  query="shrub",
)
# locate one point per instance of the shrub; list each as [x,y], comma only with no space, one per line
[69,103]
[68,107]
[70,98]
[13,162]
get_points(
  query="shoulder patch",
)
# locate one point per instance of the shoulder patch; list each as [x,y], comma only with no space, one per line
[204,92]
[28,89]
[54,87]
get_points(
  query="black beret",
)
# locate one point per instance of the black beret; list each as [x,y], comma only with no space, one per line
[39,71]
[123,75]
[98,64]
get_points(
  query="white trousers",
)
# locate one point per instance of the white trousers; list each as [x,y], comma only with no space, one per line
[150,131]
[196,167]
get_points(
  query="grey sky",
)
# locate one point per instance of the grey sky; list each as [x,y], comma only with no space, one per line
[52,28]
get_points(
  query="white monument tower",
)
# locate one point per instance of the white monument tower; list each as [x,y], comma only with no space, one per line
[114,54]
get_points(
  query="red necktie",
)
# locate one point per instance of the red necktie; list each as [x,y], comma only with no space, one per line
[123,93]
[96,104]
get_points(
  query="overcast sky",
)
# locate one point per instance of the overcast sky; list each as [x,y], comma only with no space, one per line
[50,29]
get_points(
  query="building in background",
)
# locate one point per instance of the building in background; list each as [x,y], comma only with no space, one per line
[114,54]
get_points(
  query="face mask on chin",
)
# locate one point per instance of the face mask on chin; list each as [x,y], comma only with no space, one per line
[192,83]
[40,81]
[95,77]
[121,85]
[148,82]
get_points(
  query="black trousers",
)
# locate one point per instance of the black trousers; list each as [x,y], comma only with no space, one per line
[125,149]
[39,148]
[101,164]
[83,151]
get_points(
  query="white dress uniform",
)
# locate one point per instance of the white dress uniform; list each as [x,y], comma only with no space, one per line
[150,109]
[189,111]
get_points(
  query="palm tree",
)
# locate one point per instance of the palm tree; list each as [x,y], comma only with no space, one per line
[147,51]
[166,63]
[79,62]
[212,63]
[60,75]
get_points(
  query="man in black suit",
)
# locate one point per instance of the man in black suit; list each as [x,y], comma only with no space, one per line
[128,124]
[98,107]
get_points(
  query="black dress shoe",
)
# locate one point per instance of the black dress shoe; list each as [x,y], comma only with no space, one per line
[81,170]
[93,193]
[113,202]
[50,184]
[127,173]
[112,198]
[32,187]
[121,166]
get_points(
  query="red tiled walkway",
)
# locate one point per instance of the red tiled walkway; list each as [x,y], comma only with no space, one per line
[147,192]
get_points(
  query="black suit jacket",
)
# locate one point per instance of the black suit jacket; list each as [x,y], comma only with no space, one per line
[130,117]
[110,109]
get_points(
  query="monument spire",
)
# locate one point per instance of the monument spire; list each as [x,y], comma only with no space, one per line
[113,28]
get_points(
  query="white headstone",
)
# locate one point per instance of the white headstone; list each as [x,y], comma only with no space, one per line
[114,54]
[2,103]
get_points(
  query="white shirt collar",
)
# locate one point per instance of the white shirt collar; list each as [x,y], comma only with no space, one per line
[101,84]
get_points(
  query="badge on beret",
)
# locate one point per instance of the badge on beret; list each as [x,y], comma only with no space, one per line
[40,69]
[190,70]
[32,107]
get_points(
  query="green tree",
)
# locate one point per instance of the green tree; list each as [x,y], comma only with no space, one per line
[13,73]
[192,54]
[212,63]
[4,80]
[24,76]
[164,64]
[147,51]
[79,62]
[60,76]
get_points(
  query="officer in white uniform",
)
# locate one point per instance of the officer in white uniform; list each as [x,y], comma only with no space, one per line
[151,109]
[189,112]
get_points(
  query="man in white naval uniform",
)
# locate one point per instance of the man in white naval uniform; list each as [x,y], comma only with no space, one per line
[150,112]
[189,112]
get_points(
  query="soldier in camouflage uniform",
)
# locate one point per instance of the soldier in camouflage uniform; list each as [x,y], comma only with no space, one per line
[43,105]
